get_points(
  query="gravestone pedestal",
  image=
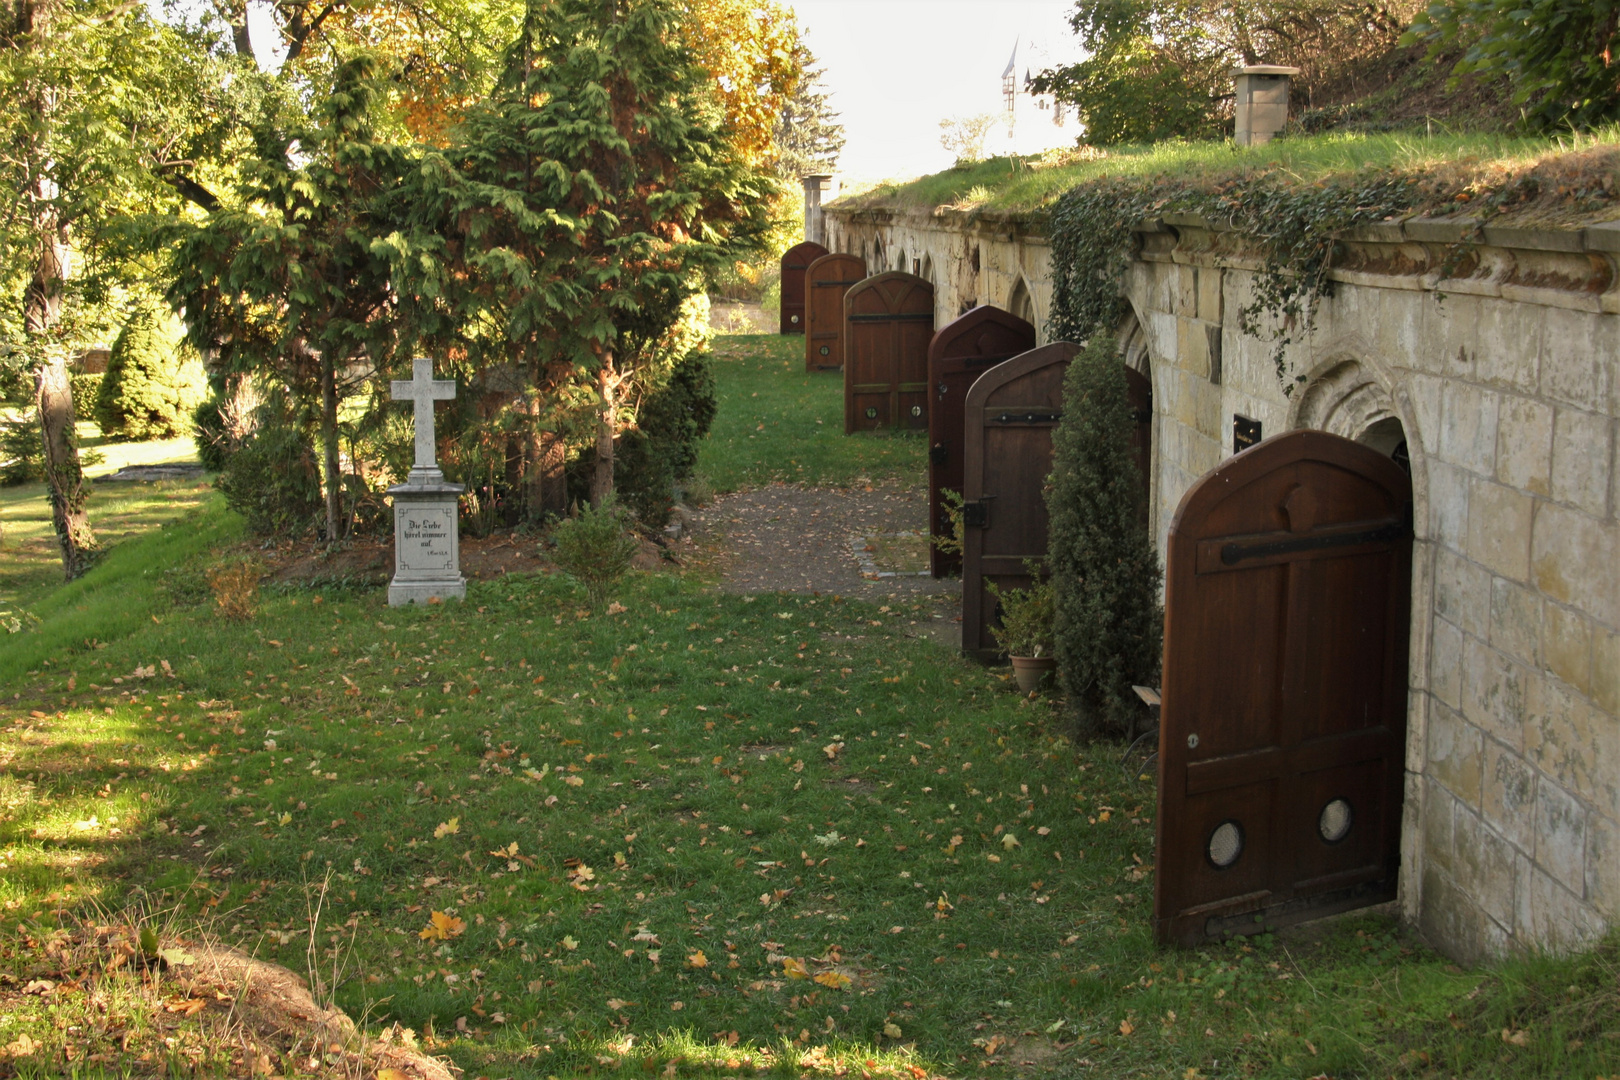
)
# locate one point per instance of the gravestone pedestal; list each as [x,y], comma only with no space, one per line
[427,544]
[427,534]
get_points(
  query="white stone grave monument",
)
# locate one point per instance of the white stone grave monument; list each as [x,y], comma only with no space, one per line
[427,544]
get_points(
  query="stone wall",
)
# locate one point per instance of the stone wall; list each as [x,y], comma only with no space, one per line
[1503,387]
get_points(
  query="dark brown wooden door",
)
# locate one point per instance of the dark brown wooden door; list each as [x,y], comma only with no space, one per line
[825,283]
[888,321]
[795,261]
[1139,393]
[1007,420]
[960,352]
[1283,725]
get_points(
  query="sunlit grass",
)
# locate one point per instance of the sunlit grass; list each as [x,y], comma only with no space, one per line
[1023,184]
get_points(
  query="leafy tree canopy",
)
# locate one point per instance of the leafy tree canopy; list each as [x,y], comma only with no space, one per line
[1562,56]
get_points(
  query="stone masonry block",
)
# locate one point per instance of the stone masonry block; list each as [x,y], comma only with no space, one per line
[1186,286]
[1516,620]
[1524,440]
[1561,837]
[1210,281]
[1450,917]
[1577,746]
[1507,798]
[1497,693]
[1606,670]
[1573,559]
[1510,341]
[1462,592]
[1581,460]
[1192,347]
[1566,645]
[1455,755]
[1603,866]
[1499,520]
[1547,915]
[1484,866]
[1445,663]
[1468,419]
[1439,810]
[1581,353]
[1448,506]
[1424,391]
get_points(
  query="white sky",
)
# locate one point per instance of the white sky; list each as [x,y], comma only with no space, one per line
[896,68]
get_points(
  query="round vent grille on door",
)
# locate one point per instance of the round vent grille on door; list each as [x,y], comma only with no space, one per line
[1334,822]
[1225,844]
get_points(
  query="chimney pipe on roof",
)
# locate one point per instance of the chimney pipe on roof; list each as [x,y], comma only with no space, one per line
[1262,103]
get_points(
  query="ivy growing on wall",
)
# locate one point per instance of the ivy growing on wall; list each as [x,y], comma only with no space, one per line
[1294,227]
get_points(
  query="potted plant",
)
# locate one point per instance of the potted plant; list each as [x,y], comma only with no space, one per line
[1024,632]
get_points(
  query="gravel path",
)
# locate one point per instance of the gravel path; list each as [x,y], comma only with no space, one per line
[861,542]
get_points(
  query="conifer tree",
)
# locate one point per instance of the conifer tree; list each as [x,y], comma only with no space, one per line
[576,209]
[1109,626]
[809,137]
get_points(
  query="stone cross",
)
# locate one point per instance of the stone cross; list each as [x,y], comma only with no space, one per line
[423,390]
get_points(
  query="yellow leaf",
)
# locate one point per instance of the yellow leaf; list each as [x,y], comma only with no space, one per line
[1126,1027]
[442,927]
[285,819]
[833,979]
[569,943]
[393,1074]
[573,781]
[445,828]
[698,960]
[891,1030]
[1009,842]
[794,969]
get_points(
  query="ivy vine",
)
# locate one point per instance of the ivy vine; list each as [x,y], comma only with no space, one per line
[1297,229]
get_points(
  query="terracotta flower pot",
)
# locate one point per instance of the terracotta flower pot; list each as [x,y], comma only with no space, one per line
[1031,671]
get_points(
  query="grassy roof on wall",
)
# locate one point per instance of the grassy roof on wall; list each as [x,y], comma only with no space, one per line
[1579,174]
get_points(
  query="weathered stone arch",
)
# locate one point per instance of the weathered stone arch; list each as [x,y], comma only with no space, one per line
[1133,345]
[1021,302]
[927,273]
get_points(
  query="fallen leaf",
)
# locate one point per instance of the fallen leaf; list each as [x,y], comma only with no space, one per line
[569,943]
[1126,1027]
[445,828]
[21,1046]
[618,1003]
[393,1074]
[1009,841]
[835,980]
[891,1030]
[1516,1038]
[794,969]
[697,960]
[442,927]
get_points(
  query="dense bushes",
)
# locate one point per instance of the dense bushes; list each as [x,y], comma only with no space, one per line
[152,384]
[1103,566]
[660,452]
[273,480]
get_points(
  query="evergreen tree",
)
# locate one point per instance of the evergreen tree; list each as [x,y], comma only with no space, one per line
[152,385]
[809,137]
[1109,627]
[576,210]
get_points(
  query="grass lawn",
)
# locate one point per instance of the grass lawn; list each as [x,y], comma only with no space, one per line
[778,423]
[31,563]
[702,834]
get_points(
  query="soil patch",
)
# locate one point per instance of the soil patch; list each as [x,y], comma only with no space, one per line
[370,561]
[866,542]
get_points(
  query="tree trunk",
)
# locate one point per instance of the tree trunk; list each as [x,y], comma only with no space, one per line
[607,412]
[329,444]
[53,391]
[546,485]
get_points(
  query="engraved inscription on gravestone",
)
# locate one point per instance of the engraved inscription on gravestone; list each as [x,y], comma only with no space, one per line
[427,543]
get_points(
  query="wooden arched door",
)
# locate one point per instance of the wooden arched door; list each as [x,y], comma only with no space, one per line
[1007,421]
[961,351]
[1283,725]
[795,261]
[888,321]
[825,283]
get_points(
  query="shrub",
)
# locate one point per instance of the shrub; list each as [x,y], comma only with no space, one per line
[274,481]
[1027,615]
[221,423]
[22,451]
[152,385]
[595,547]
[1105,573]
